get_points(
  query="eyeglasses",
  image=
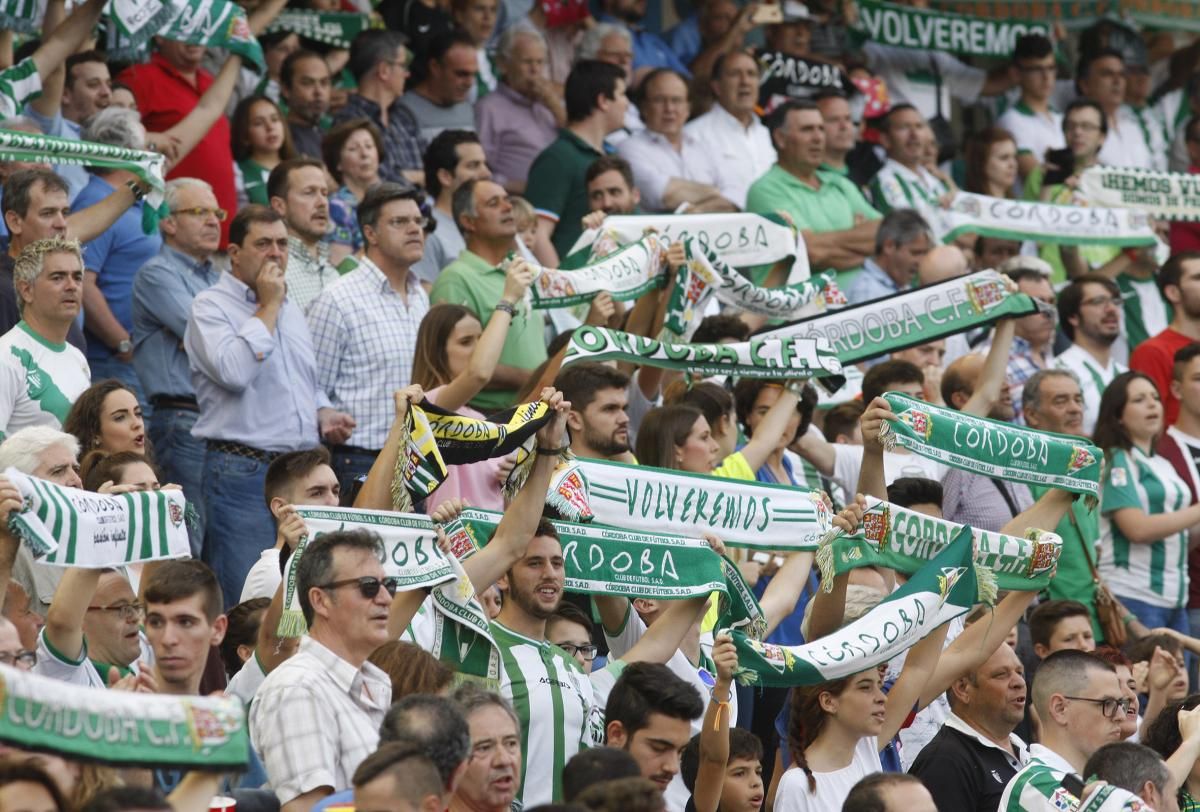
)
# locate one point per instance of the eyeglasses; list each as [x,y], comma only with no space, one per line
[588,651]
[200,211]
[127,611]
[1101,301]
[405,222]
[1085,126]
[368,585]
[23,657]
[1108,707]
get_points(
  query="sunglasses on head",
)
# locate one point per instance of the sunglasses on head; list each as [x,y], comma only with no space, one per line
[368,585]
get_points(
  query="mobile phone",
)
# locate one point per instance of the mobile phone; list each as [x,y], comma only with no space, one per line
[761,558]
[767,14]
[1064,166]
[1073,784]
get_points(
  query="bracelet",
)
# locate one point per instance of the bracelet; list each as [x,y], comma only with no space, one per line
[553,452]
[722,706]
[506,307]
[136,189]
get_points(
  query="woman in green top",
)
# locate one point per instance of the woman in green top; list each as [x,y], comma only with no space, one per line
[260,140]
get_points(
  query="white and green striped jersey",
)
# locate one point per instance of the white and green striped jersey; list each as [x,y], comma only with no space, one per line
[39,380]
[1093,376]
[1038,786]
[1155,573]
[18,84]
[561,709]
[896,186]
[1146,313]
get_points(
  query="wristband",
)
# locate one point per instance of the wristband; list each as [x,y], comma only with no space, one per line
[136,189]
[506,307]
[722,706]
[553,452]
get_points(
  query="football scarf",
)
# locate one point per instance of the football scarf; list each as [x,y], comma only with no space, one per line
[742,513]
[770,358]
[21,16]
[626,273]
[991,447]
[214,23]
[121,728]
[871,329]
[928,30]
[434,438]
[945,588]
[76,528]
[783,76]
[1041,222]
[1165,195]
[1177,15]
[336,28]
[905,540]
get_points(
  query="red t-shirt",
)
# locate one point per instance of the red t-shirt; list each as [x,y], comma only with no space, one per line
[1185,236]
[164,97]
[1156,357]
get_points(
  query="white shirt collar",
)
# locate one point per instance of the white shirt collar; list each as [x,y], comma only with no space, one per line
[956,722]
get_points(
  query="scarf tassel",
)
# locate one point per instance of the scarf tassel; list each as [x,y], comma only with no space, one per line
[987,589]
[28,540]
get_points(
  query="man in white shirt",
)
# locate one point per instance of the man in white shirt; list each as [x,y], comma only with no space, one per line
[1089,312]
[913,77]
[1033,121]
[903,182]
[1101,78]
[730,133]
[669,165]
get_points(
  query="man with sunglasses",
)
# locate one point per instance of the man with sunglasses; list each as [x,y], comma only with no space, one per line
[1079,704]
[163,290]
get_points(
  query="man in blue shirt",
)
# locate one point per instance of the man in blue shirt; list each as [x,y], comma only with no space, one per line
[649,49]
[162,300]
[255,379]
[113,257]
[902,240]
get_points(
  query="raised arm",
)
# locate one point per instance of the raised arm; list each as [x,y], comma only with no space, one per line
[10,500]
[662,637]
[818,451]
[770,429]
[67,37]
[1044,514]
[993,378]
[196,124]
[481,369]
[872,480]
[49,104]
[919,667]
[68,608]
[376,492]
[87,224]
[714,735]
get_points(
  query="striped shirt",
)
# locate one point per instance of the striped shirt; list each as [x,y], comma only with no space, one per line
[560,709]
[1093,377]
[896,186]
[364,337]
[19,84]
[1154,573]
[1038,786]
[307,276]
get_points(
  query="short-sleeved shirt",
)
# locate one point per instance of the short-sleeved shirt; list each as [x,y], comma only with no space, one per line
[1073,581]
[896,186]
[1125,143]
[1155,573]
[81,670]
[115,256]
[18,84]
[735,466]
[471,282]
[742,154]
[964,771]
[557,186]
[512,129]
[1037,787]
[441,247]
[1035,132]
[832,207]
[39,380]
[656,162]
[434,118]
[1093,376]
[1144,311]
[252,182]
[793,794]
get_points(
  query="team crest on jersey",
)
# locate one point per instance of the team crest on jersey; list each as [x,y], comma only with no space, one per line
[1062,799]
[1118,477]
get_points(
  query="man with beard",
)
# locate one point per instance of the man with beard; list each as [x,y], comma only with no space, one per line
[304,83]
[1179,281]
[364,327]
[967,764]
[475,280]
[489,782]
[1089,311]
[299,191]
[610,189]
[649,49]
[598,419]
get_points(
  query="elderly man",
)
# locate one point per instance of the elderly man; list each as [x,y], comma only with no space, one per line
[522,115]
[163,291]
[493,774]
[902,241]
[439,100]
[668,163]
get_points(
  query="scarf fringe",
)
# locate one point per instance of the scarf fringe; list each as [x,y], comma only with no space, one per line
[986,587]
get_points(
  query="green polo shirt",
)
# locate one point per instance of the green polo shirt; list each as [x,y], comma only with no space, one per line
[471,282]
[829,208]
[1073,579]
[557,187]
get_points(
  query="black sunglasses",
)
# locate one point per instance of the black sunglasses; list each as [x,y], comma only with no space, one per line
[368,585]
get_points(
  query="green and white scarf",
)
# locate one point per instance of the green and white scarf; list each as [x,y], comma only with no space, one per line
[214,23]
[1041,222]
[21,16]
[993,448]
[1165,195]
[121,728]
[611,561]
[336,28]
[927,30]
[913,317]
[1177,15]
[905,540]
[742,240]
[77,528]
[147,166]
[742,513]
[940,591]
[626,273]
[770,358]
[435,438]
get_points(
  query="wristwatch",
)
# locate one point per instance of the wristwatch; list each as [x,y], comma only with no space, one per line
[124,346]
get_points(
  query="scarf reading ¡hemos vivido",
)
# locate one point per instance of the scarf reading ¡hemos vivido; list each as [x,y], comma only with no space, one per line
[1165,195]
[904,540]
[992,447]
[121,728]
[613,561]
[434,438]
[945,588]
[929,30]
[76,528]
[742,513]
[879,327]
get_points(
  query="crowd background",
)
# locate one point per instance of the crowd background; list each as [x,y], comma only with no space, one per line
[354,231]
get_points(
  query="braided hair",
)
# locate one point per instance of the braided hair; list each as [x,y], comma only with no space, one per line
[808,719]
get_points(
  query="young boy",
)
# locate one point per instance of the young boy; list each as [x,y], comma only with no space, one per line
[743,790]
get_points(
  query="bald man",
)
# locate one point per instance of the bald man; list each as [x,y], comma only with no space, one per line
[974,499]
[941,263]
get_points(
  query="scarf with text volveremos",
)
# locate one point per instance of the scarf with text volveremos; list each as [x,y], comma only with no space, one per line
[929,30]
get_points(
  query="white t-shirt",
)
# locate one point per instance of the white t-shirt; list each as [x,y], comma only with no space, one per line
[832,787]
[1125,145]
[263,578]
[1035,132]
[244,684]
[39,380]
[910,77]
[848,463]
[54,664]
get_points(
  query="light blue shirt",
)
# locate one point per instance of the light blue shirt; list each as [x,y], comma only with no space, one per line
[649,49]
[253,387]
[872,283]
[163,291]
